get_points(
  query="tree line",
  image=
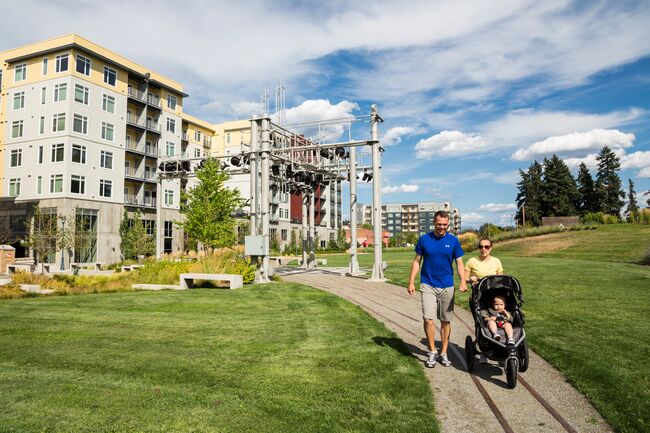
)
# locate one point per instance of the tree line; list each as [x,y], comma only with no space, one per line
[549,189]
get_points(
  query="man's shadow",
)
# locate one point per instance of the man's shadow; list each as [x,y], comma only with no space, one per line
[400,346]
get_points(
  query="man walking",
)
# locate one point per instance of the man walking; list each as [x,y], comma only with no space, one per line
[437,251]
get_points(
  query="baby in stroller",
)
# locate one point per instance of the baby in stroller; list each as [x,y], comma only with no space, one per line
[498,317]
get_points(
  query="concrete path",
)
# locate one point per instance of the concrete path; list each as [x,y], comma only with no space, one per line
[542,401]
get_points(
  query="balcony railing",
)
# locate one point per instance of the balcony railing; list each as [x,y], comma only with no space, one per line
[153,100]
[136,94]
[153,126]
[146,149]
[132,120]
[207,143]
[135,200]
[184,136]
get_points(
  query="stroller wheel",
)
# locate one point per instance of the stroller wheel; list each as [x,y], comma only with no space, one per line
[469,353]
[522,354]
[511,372]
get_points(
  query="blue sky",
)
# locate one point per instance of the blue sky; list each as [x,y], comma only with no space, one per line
[471,91]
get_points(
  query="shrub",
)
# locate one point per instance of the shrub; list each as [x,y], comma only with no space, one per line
[225,262]
[468,241]
[599,218]
[161,271]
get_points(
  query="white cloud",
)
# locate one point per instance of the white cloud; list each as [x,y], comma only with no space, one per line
[498,207]
[394,135]
[472,218]
[314,110]
[639,159]
[401,188]
[576,142]
[245,107]
[589,160]
[645,172]
[507,177]
[449,143]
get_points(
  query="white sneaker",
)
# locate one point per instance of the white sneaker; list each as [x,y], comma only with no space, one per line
[482,359]
[431,360]
[443,360]
[496,336]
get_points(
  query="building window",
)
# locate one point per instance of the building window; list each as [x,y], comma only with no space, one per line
[16,129]
[19,100]
[106,159]
[40,154]
[171,125]
[169,197]
[62,63]
[227,137]
[79,153]
[105,188]
[197,135]
[171,102]
[110,76]
[43,94]
[20,72]
[83,65]
[45,60]
[107,131]
[14,187]
[197,153]
[109,104]
[58,122]
[85,224]
[41,125]
[81,94]
[171,149]
[56,183]
[57,152]
[283,234]
[80,124]
[60,92]
[16,158]
[39,185]
[77,184]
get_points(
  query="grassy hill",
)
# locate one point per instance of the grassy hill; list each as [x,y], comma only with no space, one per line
[587,306]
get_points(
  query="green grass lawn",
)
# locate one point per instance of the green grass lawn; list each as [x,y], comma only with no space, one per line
[587,308]
[260,359]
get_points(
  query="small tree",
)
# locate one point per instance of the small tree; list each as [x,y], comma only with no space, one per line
[209,208]
[43,233]
[632,210]
[135,240]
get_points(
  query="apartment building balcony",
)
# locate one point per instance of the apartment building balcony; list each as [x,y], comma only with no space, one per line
[139,201]
[136,95]
[153,126]
[184,137]
[135,122]
[146,175]
[207,143]
[148,150]
[153,101]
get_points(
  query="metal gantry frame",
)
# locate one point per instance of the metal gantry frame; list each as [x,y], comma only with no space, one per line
[305,163]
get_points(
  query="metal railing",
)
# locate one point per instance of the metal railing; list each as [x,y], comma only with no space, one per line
[132,120]
[148,150]
[136,200]
[136,94]
[184,136]
[207,142]
[153,126]
[153,99]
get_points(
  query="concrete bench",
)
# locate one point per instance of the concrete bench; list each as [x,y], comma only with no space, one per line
[12,269]
[318,262]
[129,268]
[94,265]
[235,281]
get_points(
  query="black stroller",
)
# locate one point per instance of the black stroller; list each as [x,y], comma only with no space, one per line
[513,356]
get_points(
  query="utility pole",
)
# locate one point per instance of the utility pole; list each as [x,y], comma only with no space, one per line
[311,262]
[265,208]
[378,266]
[353,268]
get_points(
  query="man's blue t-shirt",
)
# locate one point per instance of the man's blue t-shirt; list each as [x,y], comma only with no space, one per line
[438,254]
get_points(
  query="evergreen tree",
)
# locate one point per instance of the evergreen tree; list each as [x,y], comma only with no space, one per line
[632,210]
[587,201]
[608,183]
[529,196]
[647,193]
[210,206]
[559,191]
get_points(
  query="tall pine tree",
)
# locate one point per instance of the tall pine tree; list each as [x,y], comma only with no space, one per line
[608,183]
[632,210]
[529,196]
[587,201]
[559,191]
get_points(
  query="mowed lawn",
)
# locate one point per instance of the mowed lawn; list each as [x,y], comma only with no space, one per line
[587,309]
[273,358]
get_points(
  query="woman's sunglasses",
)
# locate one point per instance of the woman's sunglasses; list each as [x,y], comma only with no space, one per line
[485,247]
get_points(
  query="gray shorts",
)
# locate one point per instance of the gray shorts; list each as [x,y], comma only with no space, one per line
[437,302]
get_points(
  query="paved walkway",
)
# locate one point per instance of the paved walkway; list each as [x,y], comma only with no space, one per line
[542,401]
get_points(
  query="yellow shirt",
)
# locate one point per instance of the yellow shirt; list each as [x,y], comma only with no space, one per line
[480,269]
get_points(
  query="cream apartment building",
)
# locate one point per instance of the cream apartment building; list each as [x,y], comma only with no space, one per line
[81,132]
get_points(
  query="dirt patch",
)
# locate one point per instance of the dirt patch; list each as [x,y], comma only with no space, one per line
[540,244]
